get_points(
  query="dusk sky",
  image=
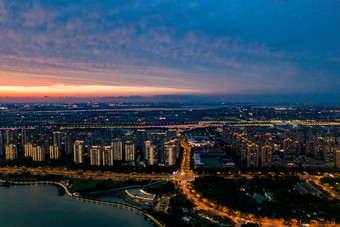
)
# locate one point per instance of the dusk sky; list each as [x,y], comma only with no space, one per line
[122,48]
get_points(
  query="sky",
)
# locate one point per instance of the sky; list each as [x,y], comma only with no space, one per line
[149,48]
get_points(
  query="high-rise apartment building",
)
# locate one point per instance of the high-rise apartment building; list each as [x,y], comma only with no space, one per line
[288,146]
[11,151]
[150,153]
[337,157]
[24,136]
[169,154]
[253,154]
[68,143]
[330,150]
[117,146]
[9,137]
[78,151]
[28,150]
[2,144]
[57,138]
[39,154]
[107,156]
[96,155]
[266,156]
[129,151]
[54,151]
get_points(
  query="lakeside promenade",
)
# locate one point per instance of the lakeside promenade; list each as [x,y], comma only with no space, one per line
[63,184]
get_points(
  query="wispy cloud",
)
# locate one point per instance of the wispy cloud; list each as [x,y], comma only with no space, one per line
[230,47]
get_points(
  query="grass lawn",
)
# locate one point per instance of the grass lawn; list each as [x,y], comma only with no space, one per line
[211,163]
[162,188]
[89,185]
[79,185]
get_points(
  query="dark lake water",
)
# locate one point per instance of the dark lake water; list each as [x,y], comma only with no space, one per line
[32,205]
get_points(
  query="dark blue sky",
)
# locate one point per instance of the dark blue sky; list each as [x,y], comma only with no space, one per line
[170,47]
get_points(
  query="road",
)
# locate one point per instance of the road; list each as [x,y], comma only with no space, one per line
[184,178]
[90,174]
[316,180]
[187,176]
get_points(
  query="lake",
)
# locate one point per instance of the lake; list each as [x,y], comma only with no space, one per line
[40,205]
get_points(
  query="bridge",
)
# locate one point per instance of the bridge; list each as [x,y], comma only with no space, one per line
[169,125]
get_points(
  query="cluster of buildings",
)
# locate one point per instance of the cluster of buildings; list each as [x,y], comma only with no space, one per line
[319,144]
[285,145]
[255,148]
[38,152]
[120,150]
[95,147]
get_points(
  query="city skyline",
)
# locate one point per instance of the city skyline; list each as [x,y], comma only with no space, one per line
[205,49]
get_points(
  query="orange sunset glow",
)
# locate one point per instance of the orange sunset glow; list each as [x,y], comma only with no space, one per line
[86,90]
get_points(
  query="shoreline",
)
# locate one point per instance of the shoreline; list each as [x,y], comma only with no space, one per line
[80,198]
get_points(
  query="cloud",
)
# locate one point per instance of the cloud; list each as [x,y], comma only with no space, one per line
[221,47]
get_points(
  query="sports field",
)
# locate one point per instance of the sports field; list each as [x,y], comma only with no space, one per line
[198,132]
[211,163]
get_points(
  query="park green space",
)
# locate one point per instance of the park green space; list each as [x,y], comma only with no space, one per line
[178,204]
[282,199]
[160,189]
[90,185]
[333,182]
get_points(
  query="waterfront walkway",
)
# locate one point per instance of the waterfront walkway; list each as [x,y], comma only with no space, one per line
[63,184]
[126,187]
